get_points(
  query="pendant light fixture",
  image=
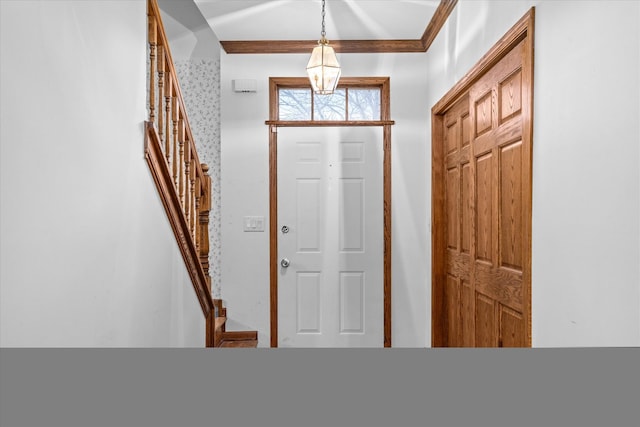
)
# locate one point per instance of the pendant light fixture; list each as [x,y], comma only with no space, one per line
[323,67]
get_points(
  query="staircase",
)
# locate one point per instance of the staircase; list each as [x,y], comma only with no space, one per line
[182,181]
[230,339]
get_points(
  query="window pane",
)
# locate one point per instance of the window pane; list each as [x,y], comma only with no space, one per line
[294,104]
[330,107]
[364,104]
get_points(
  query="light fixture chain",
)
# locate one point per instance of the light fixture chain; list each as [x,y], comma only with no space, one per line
[323,33]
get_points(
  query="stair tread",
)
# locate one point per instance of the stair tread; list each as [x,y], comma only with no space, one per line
[239,344]
[239,335]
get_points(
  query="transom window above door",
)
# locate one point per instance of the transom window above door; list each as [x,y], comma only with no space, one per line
[344,104]
[358,101]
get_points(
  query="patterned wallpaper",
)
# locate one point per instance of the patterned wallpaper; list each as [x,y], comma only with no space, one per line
[200,83]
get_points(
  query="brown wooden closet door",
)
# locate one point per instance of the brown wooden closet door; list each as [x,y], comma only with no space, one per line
[498,174]
[457,293]
[486,164]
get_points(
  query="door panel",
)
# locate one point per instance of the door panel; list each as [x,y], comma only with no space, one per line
[484,208]
[511,206]
[352,302]
[484,174]
[511,328]
[485,322]
[467,316]
[453,203]
[330,198]
[309,214]
[308,301]
[453,297]
[466,208]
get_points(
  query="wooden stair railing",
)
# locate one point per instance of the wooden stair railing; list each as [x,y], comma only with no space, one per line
[182,181]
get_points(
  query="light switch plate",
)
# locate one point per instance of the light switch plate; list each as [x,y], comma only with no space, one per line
[253,223]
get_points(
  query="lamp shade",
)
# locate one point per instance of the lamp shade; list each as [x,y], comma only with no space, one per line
[323,69]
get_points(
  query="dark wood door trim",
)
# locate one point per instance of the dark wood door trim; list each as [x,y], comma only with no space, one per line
[273,124]
[522,31]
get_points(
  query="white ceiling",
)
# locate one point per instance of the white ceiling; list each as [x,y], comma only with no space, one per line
[301,19]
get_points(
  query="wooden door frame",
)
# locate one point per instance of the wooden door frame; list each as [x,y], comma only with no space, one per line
[523,30]
[274,123]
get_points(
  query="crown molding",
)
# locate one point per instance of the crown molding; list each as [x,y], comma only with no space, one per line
[436,23]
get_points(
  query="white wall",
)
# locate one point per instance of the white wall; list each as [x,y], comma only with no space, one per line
[586,185]
[586,195]
[87,255]
[245,178]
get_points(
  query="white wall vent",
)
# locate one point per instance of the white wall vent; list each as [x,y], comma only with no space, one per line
[245,86]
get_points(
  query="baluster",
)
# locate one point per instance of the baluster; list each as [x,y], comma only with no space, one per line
[187,175]
[196,226]
[181,161]
[153,38]
[205,206]
[192,224]
[167,112]
[160,93]
[174,114]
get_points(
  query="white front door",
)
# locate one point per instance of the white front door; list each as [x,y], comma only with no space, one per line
[330,237]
